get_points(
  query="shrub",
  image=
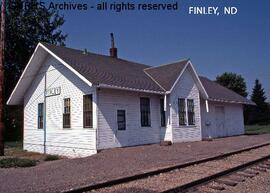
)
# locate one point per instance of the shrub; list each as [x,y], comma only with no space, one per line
[16,162]
[51,157]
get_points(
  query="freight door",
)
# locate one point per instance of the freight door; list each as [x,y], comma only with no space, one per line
[220,122]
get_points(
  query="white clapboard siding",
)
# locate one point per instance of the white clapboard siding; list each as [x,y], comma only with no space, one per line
[73,142]
[185,88]
[108,135]
[233,120]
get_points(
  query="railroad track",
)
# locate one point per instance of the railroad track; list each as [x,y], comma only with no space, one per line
[212,174]
[225,179]
[217,184]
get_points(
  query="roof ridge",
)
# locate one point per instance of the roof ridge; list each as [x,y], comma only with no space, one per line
[101,55]
[162,65]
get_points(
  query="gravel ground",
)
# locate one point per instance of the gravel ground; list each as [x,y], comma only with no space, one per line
[110,164]
[169,180]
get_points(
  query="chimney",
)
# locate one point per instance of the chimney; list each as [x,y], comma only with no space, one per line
[113,49]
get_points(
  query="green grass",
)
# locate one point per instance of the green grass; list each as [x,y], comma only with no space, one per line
[16,162]
[257,129]
[51,157]
[15,156]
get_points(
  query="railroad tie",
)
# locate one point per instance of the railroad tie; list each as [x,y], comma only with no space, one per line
[248,171]
[259,169]
[245,175]
[226,182]
[237,178]
[264,167]
[216,187]
[267,163]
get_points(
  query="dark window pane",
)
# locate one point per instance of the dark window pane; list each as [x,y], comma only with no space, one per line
[191,113]
[145,112]
[121,119]
[66,114]
[87,111]
[162,113]
[182,111]
[40,115]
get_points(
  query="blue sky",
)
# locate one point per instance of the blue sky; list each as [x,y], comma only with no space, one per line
[215,44]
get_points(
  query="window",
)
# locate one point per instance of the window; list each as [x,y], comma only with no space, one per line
[66,114]
[40,115]
[121,119]
[182,111]
[162,113]
[145,112]
[191,114]
[87,111]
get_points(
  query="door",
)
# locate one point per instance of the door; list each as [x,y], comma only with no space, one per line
[220,122]
[121,137]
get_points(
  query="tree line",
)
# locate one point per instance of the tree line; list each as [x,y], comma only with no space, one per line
[259,114]
[25,27]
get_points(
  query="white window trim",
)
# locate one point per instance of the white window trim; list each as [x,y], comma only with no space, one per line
[186,110]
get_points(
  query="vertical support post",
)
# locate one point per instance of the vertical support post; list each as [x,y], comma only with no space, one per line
[165,102]
[207,106]
[95,113]
[44,111]
[2,59]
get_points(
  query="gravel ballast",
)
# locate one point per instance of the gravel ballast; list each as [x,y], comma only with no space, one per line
[110,164]
[179,177]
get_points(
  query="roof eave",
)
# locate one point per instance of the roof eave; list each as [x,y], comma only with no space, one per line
[231,101]
[130,89]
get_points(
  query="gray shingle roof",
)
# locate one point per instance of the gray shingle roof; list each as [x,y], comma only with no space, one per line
[166,75]
[101,69]
[218,92]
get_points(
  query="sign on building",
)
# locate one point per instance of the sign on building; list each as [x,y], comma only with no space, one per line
[53,91]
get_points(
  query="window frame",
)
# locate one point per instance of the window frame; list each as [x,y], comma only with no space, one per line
[40,120]
[124,122]
[67,114]
[145,112]
[90,111]
[190,114]
[162,113]
[181,112]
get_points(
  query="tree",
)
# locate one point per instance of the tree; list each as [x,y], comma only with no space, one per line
[234,82]
[25,27]
[259,114]
[258,96]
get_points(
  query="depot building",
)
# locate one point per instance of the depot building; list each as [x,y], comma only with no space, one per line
[76,103]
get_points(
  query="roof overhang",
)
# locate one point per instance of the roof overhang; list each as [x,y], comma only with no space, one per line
[30,71]
[233,102]
[129,89]
[36,61]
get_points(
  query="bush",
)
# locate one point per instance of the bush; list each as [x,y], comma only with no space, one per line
[16,162]
[51,157]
